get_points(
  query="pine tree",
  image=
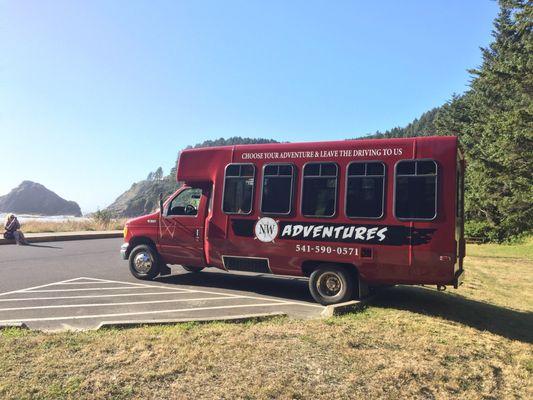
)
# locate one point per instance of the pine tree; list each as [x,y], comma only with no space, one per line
[494,121]
[158,174]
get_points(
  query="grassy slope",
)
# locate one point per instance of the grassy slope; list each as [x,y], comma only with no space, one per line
[409,343]
[71,226]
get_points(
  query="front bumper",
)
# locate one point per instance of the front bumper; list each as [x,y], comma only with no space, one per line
[124,250]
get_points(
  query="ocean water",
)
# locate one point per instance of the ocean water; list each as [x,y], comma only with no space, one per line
[45,218]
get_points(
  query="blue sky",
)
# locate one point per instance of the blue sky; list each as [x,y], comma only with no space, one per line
[96,94]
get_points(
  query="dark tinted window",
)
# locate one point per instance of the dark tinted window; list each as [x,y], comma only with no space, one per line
[285,170]
[319,194]
[365,190]
[416,189]
[277,189]
[406,168]
[238,189]
[271,170]
[312,170]
[247,170]
[426,168]
[375,168]
[233,170]
[356,169]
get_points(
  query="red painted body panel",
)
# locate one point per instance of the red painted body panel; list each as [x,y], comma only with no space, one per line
[432,261]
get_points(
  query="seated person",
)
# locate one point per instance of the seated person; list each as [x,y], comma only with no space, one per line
[12,227]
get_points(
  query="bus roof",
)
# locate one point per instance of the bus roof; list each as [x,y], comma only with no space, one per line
[200,164]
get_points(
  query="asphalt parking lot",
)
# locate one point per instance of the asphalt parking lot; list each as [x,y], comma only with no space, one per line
[87,286]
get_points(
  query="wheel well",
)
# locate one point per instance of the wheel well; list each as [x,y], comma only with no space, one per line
[136,241]
[310,265]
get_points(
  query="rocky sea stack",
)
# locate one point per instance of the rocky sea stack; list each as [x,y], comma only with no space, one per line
[33,198]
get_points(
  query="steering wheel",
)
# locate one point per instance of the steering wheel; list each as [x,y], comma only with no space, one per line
[190,209]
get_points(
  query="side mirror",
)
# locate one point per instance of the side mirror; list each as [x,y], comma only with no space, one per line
[161,203]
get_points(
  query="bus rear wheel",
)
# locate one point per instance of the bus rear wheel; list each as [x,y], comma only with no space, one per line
[331,284]
[144,262]
[192,269]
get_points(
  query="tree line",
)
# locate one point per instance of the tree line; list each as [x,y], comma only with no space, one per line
[494,122]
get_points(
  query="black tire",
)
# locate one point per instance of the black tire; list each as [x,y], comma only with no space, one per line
[331,284]
[144,262]
[192,269]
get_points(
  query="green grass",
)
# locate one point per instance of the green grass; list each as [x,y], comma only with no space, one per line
[410,342]
[521,250]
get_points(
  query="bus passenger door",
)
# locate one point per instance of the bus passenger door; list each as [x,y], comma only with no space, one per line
[181,230]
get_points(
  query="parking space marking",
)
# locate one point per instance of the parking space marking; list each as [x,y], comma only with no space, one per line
[83,289]
[102,285]
[92,296]
[118,304]
[302,303]
[77,317]
[80,283]
[36,287]
[152,286]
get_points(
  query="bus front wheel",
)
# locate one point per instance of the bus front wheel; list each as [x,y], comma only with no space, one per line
[144,262]
[331,284]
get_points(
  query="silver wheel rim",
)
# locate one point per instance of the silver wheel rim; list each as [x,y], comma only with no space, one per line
[143,262]
[329,284]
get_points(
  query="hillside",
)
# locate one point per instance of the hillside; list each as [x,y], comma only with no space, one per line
[422,126]
[33,198]
[141,198]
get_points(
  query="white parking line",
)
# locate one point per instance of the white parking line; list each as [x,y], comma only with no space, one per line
[135,285]
[76,317]
[217,293]
[80,290]
[118,304]
[79,283]
[92,296]
[36,287]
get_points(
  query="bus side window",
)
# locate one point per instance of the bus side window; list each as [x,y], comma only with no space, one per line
[239,182]
[319,191]
[365,185]
[415,196]
[276,196]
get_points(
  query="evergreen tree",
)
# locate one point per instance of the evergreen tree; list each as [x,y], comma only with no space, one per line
[494,121]
[158,174]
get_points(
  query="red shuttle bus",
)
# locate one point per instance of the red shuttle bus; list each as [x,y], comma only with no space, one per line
[347,214]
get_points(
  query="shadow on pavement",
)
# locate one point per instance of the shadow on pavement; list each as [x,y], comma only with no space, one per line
[506,322]
[267,285]
[44,246]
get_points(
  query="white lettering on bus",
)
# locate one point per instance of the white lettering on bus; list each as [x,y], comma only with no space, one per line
[371,233]
[338,232]
[381,234]
[324,154]
[348,232]
[327,232]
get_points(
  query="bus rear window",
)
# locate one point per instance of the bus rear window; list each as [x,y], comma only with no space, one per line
[365,184]
[277,189]
[238,189]
[319,192]
[416,190]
